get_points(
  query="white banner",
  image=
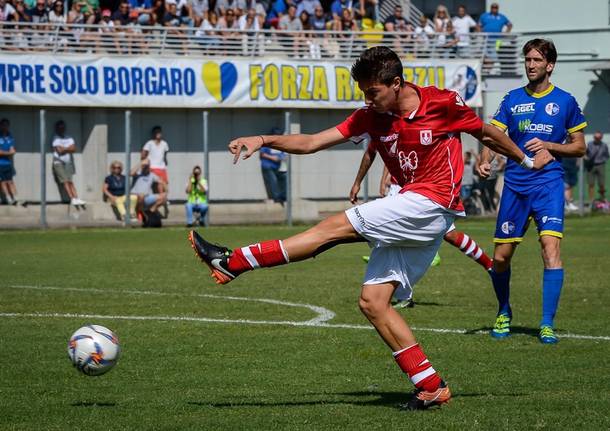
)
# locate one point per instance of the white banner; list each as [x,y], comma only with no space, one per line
[148,82]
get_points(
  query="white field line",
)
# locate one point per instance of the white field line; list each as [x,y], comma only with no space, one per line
[316,322]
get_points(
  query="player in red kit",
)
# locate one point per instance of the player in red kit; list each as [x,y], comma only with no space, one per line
[417,133]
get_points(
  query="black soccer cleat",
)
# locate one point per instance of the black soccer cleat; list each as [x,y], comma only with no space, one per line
[422,400]
[214,256]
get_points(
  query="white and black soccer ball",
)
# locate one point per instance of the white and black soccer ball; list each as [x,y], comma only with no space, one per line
[94,349]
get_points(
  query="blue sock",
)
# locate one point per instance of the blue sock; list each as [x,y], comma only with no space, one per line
[552,281]
[501,283]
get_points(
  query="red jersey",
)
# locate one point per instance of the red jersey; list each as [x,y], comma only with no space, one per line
[423,150]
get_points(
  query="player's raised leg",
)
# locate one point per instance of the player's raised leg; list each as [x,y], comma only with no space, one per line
[469,247]
[375,305]
[225,264]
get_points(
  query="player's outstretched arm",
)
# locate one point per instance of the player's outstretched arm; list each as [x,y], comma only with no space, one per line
[498,141]
[294,144]
[365,165]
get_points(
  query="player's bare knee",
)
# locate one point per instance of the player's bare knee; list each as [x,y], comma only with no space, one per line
[371,307]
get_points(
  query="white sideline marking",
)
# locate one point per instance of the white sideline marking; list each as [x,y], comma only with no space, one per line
[321,321]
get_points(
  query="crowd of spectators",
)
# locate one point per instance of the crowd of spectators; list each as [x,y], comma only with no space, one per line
[122,24]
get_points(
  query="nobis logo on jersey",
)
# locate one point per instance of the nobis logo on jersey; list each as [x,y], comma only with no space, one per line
[552,109]
[523,108]
[526,126]
[508,227]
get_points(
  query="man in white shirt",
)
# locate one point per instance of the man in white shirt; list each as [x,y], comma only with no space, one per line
[63,162]
[463,25]
[156,151]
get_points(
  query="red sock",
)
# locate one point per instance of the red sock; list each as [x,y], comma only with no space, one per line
[470,248]
[414,363]
[260,255]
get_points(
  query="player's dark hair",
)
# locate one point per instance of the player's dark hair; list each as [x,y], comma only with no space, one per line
[545,47]
[378,64]
[156,129]
[60,123]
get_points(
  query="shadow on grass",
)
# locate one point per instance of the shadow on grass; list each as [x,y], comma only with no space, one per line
[522,330]
[92,404]
[387,399]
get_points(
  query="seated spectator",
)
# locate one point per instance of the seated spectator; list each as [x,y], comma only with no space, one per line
[121,15]
[200,10]
[308,6]
[448,42]
[207,34]
[7,168]
[261,14]
[422,35]
[228,22]
[319,21]
[63,162]
[223,6]
[197,200]
[142,10]
[114,188]
[158,11]
[143,190]
[7,11]
[38,13]
[398,30]
[463,25]
[56,14]
[185,12]
[347,24]
[292,24]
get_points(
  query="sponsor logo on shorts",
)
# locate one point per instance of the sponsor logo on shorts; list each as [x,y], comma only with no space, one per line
[425,137]
[547,219]
[523,108]
[507,227]
[552,109]
[360,218]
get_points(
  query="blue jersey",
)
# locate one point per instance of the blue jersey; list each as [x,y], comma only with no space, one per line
[6,143]
[549,116]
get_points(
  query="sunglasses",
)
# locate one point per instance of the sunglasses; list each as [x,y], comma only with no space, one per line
[117,167]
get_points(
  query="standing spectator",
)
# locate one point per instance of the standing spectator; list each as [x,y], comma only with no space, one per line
[7,168]
[463,25]
[197,197]
[441,18]
[63,162]
[570,179]
[114,188]
[398,30]
[271,161]
[596,158]
[493,22]
[155,151]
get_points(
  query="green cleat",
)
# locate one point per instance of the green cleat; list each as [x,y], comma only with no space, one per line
[547,335]
[501,328]
[436,261]
[366,258]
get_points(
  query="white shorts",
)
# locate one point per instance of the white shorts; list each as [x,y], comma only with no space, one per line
[404,232]
[394,189]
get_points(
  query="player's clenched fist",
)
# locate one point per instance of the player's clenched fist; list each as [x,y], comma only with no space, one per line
[251,144]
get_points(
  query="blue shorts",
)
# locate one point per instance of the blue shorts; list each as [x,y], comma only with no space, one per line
[543,203]
[6,173]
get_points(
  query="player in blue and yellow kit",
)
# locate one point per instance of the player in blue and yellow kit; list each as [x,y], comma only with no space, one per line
[538,116]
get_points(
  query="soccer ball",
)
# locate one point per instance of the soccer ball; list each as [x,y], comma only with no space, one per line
[94,349]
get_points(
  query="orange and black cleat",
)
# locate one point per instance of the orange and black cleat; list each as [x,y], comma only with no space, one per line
[422,400]
[214,256]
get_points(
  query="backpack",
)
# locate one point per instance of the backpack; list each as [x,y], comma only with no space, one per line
[152,219]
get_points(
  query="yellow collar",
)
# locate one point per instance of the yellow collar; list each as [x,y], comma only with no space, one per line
[541,94]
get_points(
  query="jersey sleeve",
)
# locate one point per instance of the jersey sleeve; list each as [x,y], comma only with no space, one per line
[146,146]
[502,115]
[461,117]
[354,125]
[575,119]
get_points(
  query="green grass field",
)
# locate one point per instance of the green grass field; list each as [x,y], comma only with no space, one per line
[239,374]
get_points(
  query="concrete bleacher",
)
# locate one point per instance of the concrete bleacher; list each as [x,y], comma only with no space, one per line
[99,214]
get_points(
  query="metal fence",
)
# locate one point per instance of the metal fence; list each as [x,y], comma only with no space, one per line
[498,52]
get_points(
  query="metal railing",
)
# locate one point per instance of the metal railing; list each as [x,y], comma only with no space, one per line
[498,52]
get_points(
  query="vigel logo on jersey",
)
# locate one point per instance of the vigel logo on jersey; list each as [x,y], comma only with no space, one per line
[508,227]
[523,108]
[552,109]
